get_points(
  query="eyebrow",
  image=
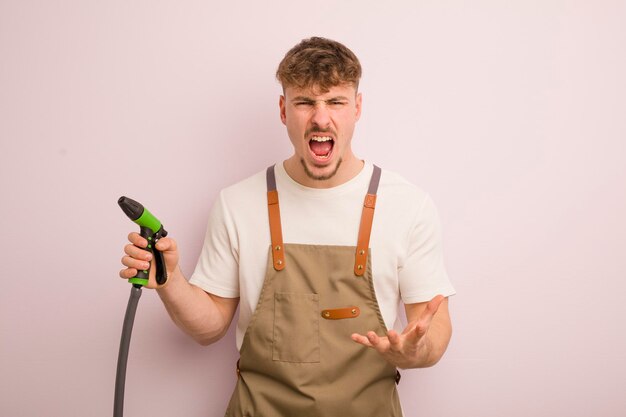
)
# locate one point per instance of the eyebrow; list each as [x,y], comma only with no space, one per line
[304,98]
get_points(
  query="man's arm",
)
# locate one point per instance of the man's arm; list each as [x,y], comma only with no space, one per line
[205,317]
[437,335]
[423,341]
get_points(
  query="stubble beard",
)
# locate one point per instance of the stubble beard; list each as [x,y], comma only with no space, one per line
[320,177]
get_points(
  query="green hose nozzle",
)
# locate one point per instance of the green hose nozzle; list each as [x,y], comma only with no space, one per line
[152,230]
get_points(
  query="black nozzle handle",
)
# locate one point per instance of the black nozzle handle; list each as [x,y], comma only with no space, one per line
[157,256]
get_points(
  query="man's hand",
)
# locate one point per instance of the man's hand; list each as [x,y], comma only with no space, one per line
[203,316]
[423,341]
[138,258]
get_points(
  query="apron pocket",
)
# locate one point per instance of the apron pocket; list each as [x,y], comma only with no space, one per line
[296,327]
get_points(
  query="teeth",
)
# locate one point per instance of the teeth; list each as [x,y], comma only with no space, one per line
[321,138]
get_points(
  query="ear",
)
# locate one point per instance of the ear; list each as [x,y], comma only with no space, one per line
[282,105]
[358,104]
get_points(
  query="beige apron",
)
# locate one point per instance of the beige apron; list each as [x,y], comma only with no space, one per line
[297,357]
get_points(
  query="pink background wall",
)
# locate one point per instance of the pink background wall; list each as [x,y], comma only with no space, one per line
[511,114]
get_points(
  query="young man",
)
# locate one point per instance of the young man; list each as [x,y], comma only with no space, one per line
[318,252]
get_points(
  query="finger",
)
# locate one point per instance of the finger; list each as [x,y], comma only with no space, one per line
[395,342]
[132,272]
[431,308]
[417,333]
[131,262]
[361,339]
[137,253]
[381,344]
[128,273]
[423,323]
[373,338]
[136,239]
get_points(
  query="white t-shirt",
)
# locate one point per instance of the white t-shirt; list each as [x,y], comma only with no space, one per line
[406,251]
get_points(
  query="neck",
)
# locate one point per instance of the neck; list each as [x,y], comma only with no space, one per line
[347,169]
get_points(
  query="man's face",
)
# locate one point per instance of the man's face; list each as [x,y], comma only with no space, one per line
[320,126]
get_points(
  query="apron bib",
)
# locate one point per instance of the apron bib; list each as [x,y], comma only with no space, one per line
[297,357]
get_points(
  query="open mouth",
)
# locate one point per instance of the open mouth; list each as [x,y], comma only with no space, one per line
[321,146]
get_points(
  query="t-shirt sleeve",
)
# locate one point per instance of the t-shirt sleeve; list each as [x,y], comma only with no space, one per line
[217,270]
[423,275]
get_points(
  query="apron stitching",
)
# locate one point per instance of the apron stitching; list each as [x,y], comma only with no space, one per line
[253,319]
[374,299]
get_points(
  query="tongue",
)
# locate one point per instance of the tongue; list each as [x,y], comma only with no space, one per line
[321,148]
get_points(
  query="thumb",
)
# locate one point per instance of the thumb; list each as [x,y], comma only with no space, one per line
[168,247]
[166,244]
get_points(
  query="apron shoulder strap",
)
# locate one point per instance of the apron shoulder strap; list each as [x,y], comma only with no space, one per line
[276,233]
[367,218]
[365,228]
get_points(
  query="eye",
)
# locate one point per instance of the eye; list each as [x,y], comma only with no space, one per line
[304,103]
[336,103]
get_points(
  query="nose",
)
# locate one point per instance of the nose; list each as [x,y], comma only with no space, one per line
[321,115]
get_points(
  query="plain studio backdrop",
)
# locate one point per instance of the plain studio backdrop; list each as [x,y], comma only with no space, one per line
[512,115]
